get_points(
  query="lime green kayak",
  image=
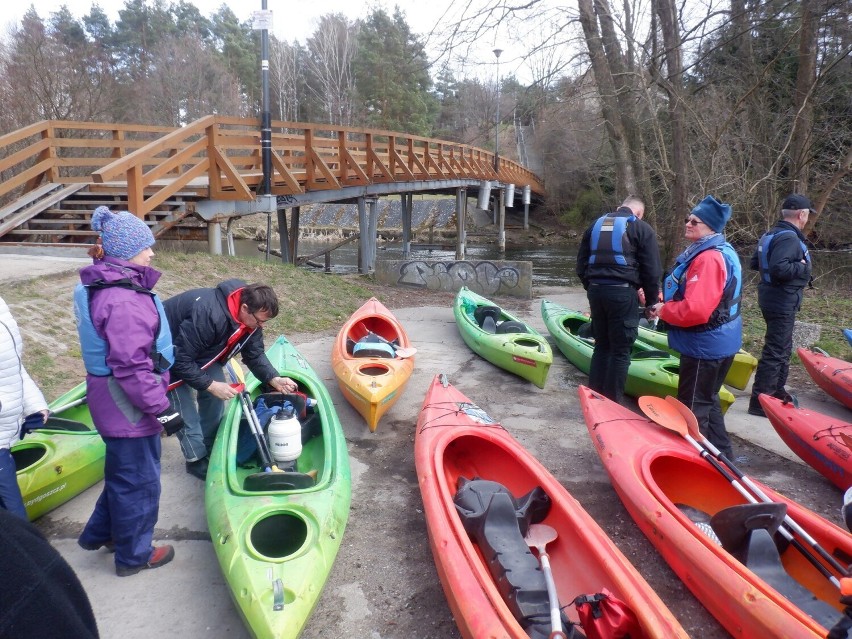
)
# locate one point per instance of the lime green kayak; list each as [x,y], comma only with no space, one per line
[741,370]
[502,339]
[276,543]
[651,371]
[62,459]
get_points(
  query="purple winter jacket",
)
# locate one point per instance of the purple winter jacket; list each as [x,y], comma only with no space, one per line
[126,403]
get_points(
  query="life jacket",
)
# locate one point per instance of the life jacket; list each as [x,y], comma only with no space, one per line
[95,347]
[763,252]
[608,240]
[729,307]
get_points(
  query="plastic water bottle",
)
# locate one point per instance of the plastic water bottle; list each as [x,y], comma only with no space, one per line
[310,403]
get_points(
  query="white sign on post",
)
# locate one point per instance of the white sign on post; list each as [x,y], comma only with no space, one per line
[261,20]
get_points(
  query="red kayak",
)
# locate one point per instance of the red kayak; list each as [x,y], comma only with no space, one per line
[814,437]
[685,506]
[832,375]
[457,441]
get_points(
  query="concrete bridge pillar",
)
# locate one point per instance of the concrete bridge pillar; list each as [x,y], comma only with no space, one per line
[501,233]
[407,206]
[461,217]
[367,223]
[214,238]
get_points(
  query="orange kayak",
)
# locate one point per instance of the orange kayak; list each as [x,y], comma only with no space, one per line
[671,493]
[814,437]
[457,441]
[831,374]
[370,361]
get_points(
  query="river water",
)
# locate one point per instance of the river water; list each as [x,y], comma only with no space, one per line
[553,264]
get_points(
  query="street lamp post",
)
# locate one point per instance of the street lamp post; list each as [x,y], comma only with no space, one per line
[265,116]
[497,53]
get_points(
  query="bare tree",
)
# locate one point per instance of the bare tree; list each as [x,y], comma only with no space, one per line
[285,78]
[331,50]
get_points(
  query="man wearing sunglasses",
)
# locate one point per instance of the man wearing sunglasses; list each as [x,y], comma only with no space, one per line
[785,269]
[210,326]
[618,255]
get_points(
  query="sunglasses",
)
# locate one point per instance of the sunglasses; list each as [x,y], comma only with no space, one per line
[692,221]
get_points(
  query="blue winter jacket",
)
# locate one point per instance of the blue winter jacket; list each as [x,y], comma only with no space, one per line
[127,402]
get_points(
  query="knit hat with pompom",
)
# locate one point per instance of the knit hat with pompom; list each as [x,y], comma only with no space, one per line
[123,235]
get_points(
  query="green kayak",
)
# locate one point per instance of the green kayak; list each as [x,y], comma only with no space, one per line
[501,338]
[651,372]
[62,459]
[741,370]
[276,534]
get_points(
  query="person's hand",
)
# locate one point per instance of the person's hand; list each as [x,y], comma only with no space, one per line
[223,391]
[641,297]
[171,421]
[653,312]
[284,384]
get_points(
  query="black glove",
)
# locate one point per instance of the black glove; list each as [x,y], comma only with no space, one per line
[171,420]
[31,423]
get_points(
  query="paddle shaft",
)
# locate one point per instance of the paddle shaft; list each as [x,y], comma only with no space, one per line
[76,402]
[254,424]
[752,499]
[401,351]
[795,527]
[555,617]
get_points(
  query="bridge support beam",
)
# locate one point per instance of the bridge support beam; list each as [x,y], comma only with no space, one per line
[214,238]
[461,217]
[367,224]
[407,207]
[283,240]
[501,233]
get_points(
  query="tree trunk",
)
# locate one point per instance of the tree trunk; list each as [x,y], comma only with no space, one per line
[803,121]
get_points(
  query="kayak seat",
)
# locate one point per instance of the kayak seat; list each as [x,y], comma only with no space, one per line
[651,354]
[60,423]
[497,523]
[372,346]
[511,326]
[259,482]
[747,532]
[486,317]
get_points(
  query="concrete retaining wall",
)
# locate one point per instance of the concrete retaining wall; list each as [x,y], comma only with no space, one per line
[488,278]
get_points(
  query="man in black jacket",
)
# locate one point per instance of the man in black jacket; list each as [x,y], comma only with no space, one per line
[618,255]
[209,326]
[785,269]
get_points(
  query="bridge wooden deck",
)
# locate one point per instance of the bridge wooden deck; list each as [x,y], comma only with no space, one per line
[54,173]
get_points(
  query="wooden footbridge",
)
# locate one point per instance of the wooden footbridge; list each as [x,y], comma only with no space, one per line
[185,182]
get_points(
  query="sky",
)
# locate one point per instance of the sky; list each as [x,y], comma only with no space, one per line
[291,18]
[296,19]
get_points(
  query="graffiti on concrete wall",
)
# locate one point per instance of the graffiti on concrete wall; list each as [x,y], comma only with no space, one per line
[485,278]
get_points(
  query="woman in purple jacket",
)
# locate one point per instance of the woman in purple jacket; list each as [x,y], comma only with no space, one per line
[126,347]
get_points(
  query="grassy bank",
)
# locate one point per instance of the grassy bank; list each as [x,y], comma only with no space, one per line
[309,302]
[828,305]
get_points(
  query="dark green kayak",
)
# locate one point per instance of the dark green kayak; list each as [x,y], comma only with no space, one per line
[276,534]
[502,338]
[62,459]
[651,372]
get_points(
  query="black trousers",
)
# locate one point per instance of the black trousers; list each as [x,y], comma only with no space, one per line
[774,364]
[615,325]
[698,387]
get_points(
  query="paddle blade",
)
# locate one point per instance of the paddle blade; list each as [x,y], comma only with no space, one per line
[846,440]
[688,416]
[658,410]
[405,353]
[539,535]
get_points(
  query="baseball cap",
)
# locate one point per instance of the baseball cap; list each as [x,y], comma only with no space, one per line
[796,202]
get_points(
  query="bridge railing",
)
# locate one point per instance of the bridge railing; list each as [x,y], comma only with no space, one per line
[221,155]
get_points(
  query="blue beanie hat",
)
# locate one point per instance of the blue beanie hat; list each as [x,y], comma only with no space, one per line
[713,213]
[123,235]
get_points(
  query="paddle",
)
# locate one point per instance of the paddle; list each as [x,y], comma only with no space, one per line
[538,536]
[673,415]
[846,440]
[254,422]
[76,402]
[401,352]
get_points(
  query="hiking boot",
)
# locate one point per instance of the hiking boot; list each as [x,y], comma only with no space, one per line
[159,557]
[754,408]
[198,468]
[109,545]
